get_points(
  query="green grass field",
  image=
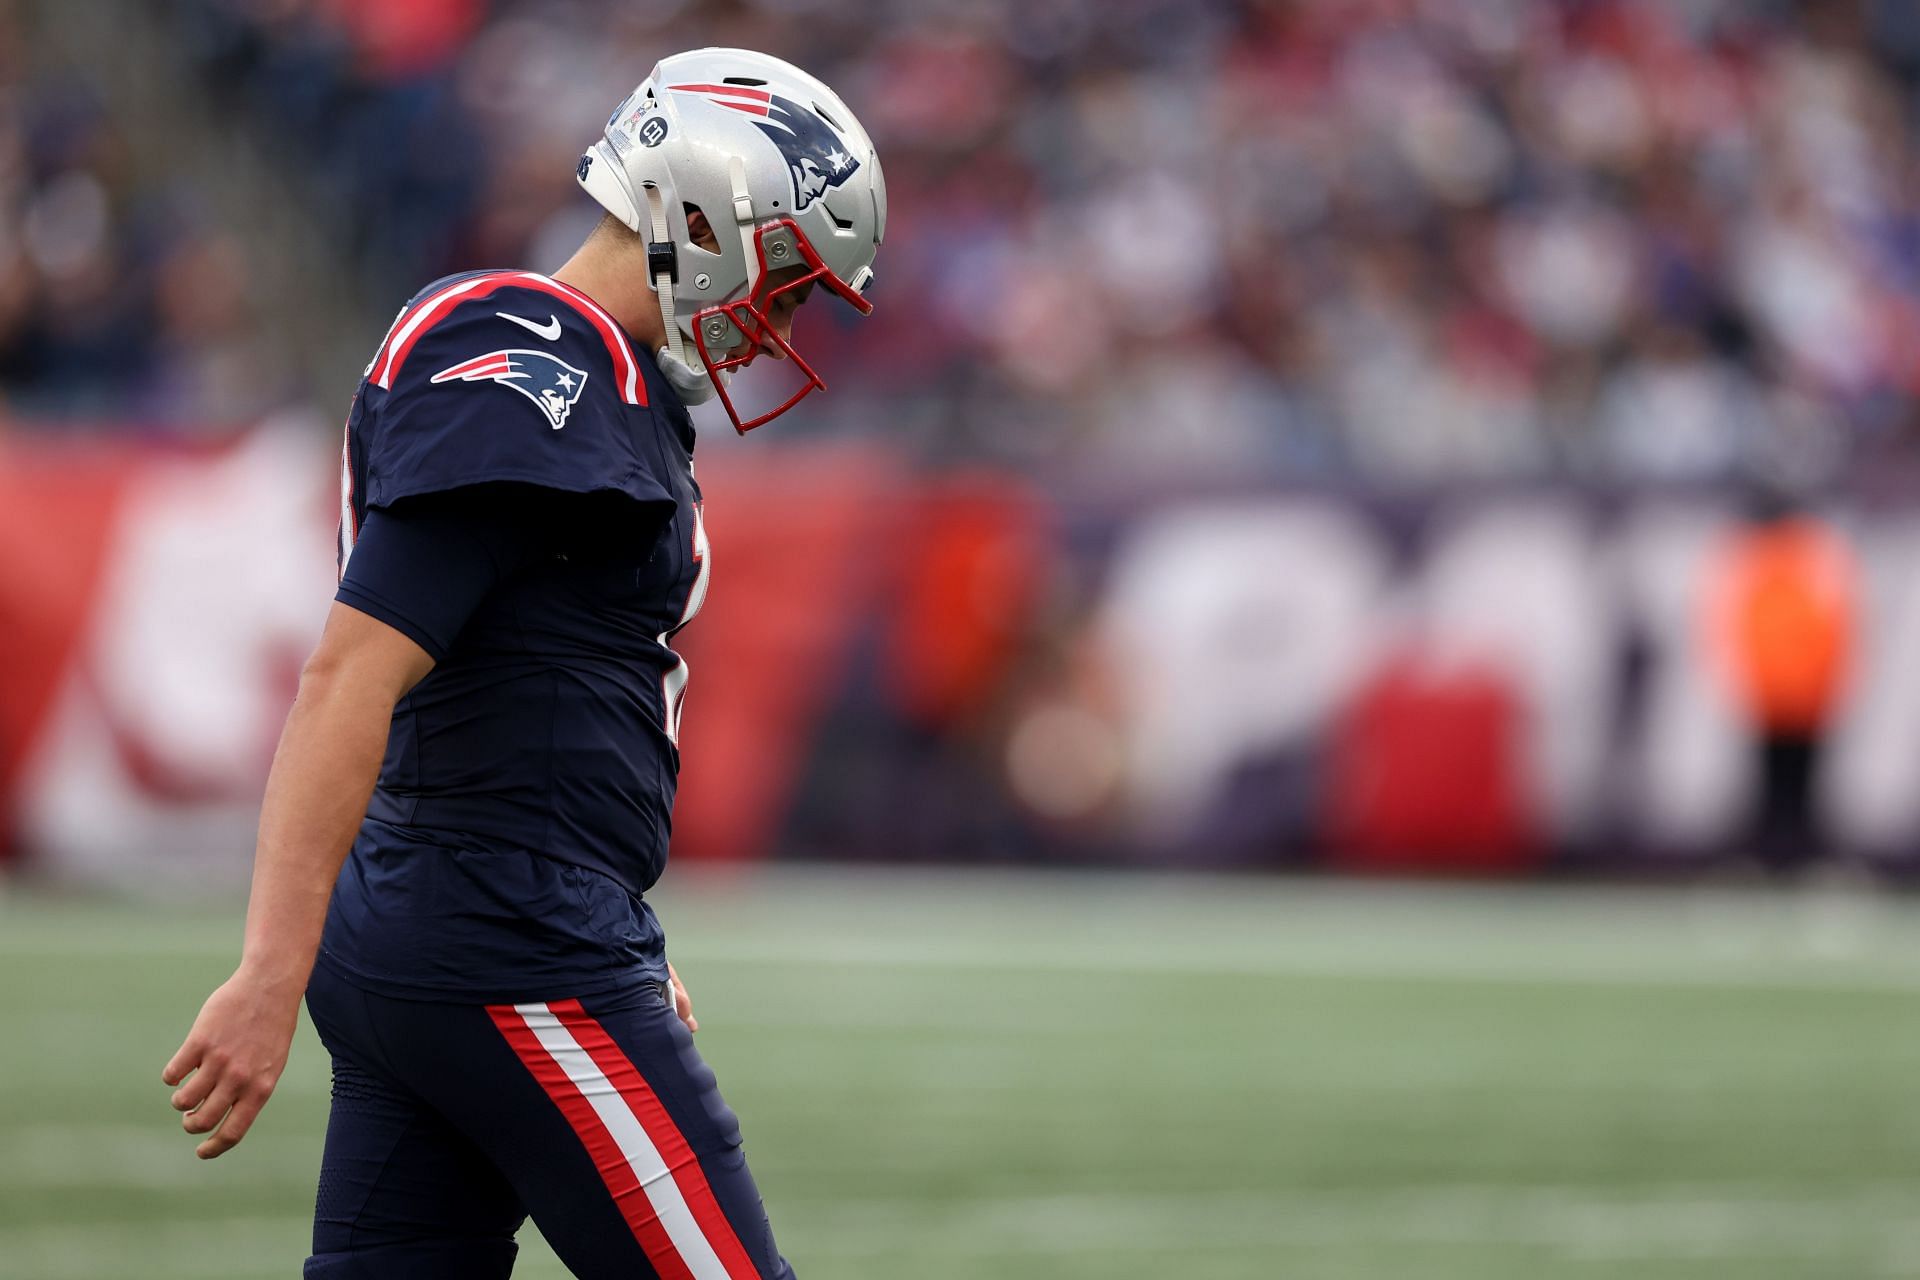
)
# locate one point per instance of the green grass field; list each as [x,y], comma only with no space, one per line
[1008,1077]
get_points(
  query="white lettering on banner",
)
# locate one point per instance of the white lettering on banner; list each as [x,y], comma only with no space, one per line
[1872,791]
[1233,631]
[1241,633]
[149,767]
[1512,584]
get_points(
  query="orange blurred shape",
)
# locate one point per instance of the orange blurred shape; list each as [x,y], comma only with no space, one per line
[1783,600]
[799,552]
[975,558]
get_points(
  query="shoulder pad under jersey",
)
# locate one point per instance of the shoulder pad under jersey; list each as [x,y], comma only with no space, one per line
[508,376]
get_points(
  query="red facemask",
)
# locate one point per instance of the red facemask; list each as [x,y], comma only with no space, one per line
[749,316]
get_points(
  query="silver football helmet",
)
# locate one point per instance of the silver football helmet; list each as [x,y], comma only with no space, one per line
[785,176]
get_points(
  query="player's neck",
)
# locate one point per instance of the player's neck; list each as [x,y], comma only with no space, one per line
[620,286]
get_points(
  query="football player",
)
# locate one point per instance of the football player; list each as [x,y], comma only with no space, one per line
[473,791]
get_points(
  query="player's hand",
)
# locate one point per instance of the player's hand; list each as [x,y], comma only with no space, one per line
[682,1002]
[231,1060]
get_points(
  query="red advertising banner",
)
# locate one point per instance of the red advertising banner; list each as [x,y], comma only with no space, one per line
[896,664]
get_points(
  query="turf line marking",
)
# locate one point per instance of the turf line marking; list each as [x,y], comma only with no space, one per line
[156,1156]
[1534,969]
[1681,1221]
[1681,968]
[240,1247]
[1656,1222]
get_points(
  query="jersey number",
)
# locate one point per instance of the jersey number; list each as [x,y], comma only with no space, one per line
[673,684]
[349,522]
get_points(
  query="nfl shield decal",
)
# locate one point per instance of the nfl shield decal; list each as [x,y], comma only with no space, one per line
[551,383]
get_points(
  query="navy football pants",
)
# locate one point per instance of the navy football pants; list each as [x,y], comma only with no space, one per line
[451,1123]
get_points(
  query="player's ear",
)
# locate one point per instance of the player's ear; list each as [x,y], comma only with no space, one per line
[699,230]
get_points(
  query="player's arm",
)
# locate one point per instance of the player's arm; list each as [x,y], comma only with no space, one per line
[323,774]
[413,581]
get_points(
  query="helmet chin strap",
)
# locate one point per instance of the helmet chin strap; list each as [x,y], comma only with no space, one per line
[687,377]
[689,381]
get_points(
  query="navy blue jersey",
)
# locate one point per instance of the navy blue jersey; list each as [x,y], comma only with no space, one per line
[526,797]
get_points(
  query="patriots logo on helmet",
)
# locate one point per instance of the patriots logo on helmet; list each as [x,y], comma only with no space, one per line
[814,154]
[551,383]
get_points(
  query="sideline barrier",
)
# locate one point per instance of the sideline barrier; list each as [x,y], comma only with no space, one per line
[953,666]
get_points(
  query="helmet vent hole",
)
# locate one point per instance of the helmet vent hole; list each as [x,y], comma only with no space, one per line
[748,80]
[822,113]
[845,224]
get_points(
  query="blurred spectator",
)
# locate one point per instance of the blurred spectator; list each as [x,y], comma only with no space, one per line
[1784,623]
[1399,241]
[118,302]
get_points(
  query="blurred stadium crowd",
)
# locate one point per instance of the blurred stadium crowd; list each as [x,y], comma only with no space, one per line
[1397,241]
[1473,431]
[122,299]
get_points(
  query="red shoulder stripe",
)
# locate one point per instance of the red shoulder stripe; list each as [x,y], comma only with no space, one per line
[434,308]
[633,388]
[408,328]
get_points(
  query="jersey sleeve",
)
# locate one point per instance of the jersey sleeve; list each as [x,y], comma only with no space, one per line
[424,567]
[513,385]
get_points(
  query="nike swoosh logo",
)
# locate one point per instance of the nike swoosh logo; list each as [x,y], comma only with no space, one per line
[550,330]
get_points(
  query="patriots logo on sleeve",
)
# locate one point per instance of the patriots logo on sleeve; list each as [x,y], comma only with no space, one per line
[549,382]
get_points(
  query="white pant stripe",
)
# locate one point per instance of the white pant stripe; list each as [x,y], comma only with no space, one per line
[642,1156]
